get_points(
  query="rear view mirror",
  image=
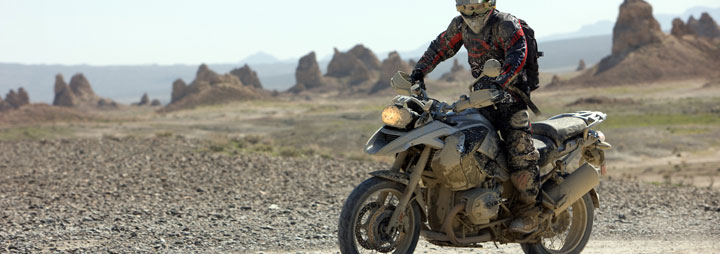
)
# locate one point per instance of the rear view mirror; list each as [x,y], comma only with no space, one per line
[401,83]
[492,68]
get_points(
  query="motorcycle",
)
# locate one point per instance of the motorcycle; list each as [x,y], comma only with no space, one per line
[431,191]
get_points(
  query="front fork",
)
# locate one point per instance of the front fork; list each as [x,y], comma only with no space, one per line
[415,177]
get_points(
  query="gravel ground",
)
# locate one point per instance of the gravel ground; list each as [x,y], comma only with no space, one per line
[169,195]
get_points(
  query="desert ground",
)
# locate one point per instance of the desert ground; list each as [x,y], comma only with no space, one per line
[271,176]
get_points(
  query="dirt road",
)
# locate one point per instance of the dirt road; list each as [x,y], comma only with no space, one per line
[174,195]
[594,247]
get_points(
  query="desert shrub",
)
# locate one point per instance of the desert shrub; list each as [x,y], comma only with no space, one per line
[164,134]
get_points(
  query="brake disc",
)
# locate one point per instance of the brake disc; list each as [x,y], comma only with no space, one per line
[366,243]
[381,241]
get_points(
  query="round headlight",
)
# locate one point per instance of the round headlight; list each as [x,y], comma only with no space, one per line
[396,116]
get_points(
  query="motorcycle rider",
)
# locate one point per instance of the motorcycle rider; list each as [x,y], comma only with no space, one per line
[487,34]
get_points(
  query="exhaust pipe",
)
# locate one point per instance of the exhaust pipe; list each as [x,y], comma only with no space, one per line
[573,188]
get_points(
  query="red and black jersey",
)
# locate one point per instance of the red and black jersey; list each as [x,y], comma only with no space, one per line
[502,38]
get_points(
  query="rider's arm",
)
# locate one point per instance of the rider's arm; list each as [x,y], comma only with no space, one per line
[512,39]
[445,46]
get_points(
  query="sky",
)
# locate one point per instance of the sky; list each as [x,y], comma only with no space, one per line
[130,32]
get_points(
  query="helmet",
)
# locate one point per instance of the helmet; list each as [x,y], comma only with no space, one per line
[475,13]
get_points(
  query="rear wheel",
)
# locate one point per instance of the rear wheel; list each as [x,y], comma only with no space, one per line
[365,217]
[569,232]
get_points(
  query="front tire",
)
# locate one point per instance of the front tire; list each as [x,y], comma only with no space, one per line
[364,217]
[574,237]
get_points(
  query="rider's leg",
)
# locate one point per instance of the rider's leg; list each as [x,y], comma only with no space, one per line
[525,175]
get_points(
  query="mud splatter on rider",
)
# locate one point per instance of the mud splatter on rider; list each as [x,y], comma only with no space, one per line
[487,34]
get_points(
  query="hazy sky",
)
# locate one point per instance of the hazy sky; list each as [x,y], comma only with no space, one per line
[105,32]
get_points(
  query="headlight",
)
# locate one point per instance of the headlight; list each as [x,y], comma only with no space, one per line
[396,116]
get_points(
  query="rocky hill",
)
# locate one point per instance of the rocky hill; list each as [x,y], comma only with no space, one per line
[355,71]
[14,100]
[210,88]
[78,94]
[642,53]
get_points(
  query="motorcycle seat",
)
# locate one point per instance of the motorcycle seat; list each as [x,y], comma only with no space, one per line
[547,149]
[561,129]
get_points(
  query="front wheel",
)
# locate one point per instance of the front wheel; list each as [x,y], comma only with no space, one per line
[569,231]
[365,217]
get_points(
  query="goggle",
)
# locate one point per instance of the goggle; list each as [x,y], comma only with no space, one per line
[475,9]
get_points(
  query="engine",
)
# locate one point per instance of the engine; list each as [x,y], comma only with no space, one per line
[481,204]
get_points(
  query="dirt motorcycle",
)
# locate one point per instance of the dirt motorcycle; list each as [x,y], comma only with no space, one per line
[431,191]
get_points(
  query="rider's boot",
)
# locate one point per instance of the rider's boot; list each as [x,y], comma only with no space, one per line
[527,219]
[526,209]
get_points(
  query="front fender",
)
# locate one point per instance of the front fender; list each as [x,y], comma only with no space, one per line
[390,142]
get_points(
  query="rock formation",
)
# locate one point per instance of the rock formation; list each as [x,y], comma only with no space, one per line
[704,27]
[59,83]
[63,95]
[106,103]
[307,74]
[14,100]
[680,29]
[78,93]
[366,56]
[80,86]
[457,73]
[210,88]
[247,76]
[581,66]
[178,90]
[155,102]
[643,54]
[346,65]
[4,106]
[635,27]
[18,99]
[144,100]
[390,66]
[555,81]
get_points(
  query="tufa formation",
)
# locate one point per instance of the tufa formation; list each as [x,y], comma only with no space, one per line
[308,75]
[457,73]
[366,56]
[643,54]
[144,100]
[78,94]
[14,100]
[355,71]
[391,65]
[247,76]
[581,66]
[210,88]
[635,27]
[348,67]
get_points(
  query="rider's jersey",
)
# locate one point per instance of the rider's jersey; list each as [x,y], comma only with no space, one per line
[502,39]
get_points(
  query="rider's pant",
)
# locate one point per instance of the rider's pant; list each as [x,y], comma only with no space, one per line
[513,122]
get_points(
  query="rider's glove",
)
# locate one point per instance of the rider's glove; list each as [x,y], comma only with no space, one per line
[416,76]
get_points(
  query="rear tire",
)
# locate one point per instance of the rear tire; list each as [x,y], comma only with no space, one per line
[362,199]
[578,232]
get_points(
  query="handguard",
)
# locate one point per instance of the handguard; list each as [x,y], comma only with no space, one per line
[478,99]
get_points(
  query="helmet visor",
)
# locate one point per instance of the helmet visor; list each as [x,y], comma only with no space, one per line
[475,9]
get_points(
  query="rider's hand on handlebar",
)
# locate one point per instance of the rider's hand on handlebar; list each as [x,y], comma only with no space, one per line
[417,76]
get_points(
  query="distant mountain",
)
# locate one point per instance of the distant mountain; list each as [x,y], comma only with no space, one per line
[260,58]
[603,27]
